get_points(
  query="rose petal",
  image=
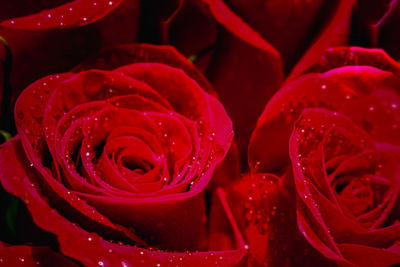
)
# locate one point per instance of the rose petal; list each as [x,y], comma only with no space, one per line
[334,34]
[246,66]
[264,207]
[89,248]
[75,13]
[23,255]
[335,90]
[112,58]
[354,56]
[323,223]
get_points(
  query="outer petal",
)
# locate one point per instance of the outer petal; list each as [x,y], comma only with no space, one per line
[246,71]
[335,33]
[75,13]
[354,56]
[30,256]
[187,25]
[112,58]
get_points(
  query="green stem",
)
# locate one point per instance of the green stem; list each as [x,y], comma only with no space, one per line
[6,119]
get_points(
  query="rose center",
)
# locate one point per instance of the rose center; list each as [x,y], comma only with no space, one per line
[356,194]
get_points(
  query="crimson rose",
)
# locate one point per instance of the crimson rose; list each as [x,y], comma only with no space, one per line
[115,163]
[336,198]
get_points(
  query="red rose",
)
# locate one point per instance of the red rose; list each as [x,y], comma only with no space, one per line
[335,199]
[121,156]
[258,44]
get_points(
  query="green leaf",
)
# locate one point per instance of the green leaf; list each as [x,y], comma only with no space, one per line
[4,41]
[192,58]
[11,215]
[7,136]
[6,118]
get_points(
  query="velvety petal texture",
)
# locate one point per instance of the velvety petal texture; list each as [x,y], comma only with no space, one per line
[123,156]
[330,138]
[256,48]
[24,255]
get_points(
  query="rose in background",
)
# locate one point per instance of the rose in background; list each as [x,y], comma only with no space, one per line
[45,37]
[257,45]
[324,160]
[115,163]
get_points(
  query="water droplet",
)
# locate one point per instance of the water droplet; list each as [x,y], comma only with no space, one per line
[100,263]
[371,108]
[323,87]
